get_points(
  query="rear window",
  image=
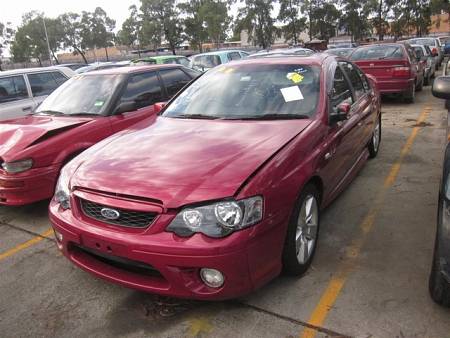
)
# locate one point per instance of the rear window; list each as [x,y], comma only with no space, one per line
[378,53]
[428,42]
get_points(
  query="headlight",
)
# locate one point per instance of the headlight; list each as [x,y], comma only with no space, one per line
[18,166]
[62,191]
[218,219]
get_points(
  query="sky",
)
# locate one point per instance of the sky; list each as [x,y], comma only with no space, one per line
[12,10]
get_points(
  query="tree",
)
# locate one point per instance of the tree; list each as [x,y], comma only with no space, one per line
[194,23]
[129,34]
[355,18]
[30,38]
[97,29]
[6,36]
[164,13]
[325,17]
[381,8]
[216,19]
[256,18]
[73,34]
[289,14]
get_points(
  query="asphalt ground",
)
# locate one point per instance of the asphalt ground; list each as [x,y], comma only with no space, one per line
[369,277]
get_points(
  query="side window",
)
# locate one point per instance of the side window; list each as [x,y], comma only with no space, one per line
[244,54]
[12,89]
[234,56]
[341,90]
[355,78]
[42,83]
[412,54]
[144,89]
[183,61]
[59,78]
[169,61]
[174,80]
[364,80]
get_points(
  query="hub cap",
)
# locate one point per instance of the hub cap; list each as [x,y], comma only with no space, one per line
[376,136]
[306,234]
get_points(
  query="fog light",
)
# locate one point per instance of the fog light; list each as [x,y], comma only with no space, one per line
[58,236]
[212,277]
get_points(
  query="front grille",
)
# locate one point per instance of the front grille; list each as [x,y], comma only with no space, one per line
[127,218]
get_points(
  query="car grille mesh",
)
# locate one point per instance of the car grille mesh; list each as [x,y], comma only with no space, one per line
[127,218]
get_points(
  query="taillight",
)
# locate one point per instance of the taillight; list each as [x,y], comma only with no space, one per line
[402,72]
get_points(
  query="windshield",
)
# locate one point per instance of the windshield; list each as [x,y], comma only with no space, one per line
[377,53]
[250,91]
[82,94]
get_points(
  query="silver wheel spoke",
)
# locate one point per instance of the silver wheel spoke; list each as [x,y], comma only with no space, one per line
[306,234]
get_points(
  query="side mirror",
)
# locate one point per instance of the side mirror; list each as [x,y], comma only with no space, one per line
[441,87]
[158,106]
[342,111]
[125,106]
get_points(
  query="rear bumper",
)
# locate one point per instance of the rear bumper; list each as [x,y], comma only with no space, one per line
[28,187]
[176,261]
[395,86]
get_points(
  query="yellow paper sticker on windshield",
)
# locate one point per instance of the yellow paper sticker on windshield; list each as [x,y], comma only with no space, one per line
[295,77]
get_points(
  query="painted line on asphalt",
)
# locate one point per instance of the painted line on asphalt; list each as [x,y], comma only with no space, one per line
[26,244]
[337,282]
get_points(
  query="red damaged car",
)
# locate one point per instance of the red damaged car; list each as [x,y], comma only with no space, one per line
[83,111]
[225,187]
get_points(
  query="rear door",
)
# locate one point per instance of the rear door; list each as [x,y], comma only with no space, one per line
[145,90]
[43,84]
[15,98]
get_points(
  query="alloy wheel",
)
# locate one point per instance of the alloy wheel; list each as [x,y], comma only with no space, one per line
[306,234]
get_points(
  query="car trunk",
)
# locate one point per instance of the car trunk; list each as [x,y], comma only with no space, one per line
[383,69]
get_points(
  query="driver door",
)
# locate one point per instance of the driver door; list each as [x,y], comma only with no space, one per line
[145,90]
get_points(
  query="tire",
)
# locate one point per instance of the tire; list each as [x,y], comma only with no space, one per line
[410,96]
[439,288]
[375,140]
[419,87]
[294,263]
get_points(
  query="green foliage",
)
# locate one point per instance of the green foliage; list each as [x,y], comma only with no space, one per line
[165,17]
[73,33]
[97,29]
[355,18]
[324,18]
[256,18]
[289,14]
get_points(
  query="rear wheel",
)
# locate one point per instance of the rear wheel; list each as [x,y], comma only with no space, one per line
[374,143]
[439,288]
[410,95]
[302,234]
[419,86]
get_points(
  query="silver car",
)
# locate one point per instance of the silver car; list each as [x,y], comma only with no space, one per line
[423,53]
[22,90]
[434,45]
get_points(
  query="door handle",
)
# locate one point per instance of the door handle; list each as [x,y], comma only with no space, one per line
[26,108]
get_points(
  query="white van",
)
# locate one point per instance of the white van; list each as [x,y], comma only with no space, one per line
[22,90]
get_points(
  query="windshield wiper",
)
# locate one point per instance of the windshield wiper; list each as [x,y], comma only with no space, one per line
[84,114]
[49,112]
[195,116]
[388,56]
[273,117]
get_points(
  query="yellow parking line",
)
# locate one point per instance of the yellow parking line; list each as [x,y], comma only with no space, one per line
[347,265]
[25,245]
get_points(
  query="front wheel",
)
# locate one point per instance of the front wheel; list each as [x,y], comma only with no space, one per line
[302,234]
[374,143]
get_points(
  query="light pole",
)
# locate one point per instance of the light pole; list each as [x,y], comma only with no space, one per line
[48,43]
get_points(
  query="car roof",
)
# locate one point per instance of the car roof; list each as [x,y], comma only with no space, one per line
[313,59]
[33,70]
[220,52]
[131,70]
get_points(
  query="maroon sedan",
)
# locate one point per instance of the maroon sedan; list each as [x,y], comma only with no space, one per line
[224,189]
[395,67]
[83,111]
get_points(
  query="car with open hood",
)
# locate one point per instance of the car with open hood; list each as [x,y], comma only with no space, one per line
[83,111]
[224,189]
